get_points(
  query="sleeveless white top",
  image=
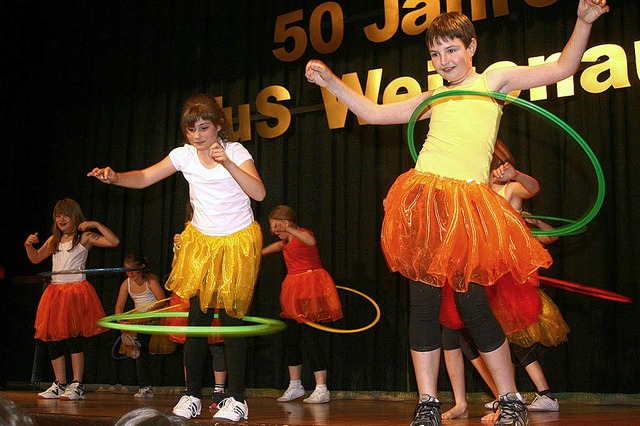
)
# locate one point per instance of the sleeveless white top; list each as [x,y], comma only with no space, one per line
[140,299]
[65,260]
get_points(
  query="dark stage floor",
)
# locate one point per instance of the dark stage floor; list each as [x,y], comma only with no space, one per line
[102,408]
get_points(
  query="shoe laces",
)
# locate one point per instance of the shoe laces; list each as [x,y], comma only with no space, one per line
[75,387]
[230,404]
[512,410]
[290,390]
[186,402]
[223,403]
[318,393]
[427,413]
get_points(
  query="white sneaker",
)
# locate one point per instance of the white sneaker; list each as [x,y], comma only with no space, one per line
[490,405]
[544,403]
[188,406]
[54,391]
[319,396]
[73,392]
[230,409]
[291,393]
[144,392]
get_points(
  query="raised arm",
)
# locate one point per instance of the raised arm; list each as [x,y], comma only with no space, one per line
[395,113]
[135,178]
[37,255]
[105,237]
[306,237]
[508,79]
[523,186]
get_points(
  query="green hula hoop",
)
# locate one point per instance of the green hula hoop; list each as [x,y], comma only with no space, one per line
[263,325]
[569,229]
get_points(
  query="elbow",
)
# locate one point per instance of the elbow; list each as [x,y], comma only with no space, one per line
[260,194]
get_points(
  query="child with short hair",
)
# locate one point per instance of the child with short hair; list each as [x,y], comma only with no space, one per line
[443,224]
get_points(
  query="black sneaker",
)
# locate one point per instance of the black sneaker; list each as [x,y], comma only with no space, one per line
[427,413]
[513,411]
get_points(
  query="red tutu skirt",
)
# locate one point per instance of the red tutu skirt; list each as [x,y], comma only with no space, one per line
[182,305]
[439,230]
[515,306]
[549,330]
[525,312]
[68,310]
[310,296]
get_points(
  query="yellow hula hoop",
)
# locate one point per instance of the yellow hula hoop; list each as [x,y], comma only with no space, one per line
[354,330]
[148,305]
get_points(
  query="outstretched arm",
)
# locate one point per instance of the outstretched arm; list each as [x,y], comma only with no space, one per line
[395,113]
[135,178]
[273,248]
[508,79]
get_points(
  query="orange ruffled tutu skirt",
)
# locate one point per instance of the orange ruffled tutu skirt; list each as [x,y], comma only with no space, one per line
[222,270]
[68,310]
[439,231]
[310,296]
[182,305]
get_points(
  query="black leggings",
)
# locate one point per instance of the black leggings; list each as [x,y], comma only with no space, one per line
[473,307]
[459,339]
[72,345]
[524,356]
[196,352]
[301,337]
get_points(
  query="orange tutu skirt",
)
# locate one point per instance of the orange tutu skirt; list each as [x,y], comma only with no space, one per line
[310,296]
[182,305]
[439,230]
[68,310]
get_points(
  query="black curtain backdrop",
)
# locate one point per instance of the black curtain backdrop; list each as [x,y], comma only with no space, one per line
[101,83]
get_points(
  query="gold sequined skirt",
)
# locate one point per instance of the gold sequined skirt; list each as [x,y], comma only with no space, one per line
[222,270]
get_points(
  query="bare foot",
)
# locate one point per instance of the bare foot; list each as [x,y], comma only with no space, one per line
[491,417]
[458,411]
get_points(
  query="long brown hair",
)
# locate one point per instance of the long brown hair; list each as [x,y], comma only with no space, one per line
[66,207]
